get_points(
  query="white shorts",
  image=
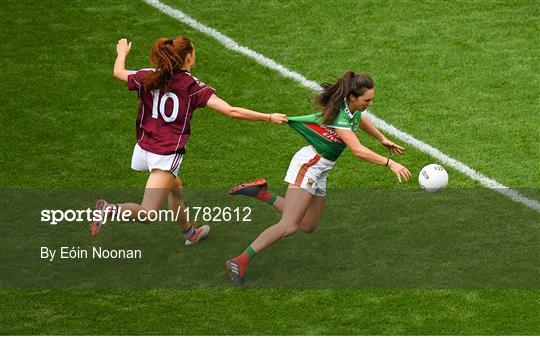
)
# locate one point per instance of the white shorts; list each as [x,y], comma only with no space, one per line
[143,160]
[309,170]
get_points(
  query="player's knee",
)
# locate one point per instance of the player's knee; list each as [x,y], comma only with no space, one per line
[175,193]
[308,228]
[178,183]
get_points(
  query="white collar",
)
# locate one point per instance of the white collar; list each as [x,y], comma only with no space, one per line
[347,108]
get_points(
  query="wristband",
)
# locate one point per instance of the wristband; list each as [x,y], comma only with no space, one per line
[387,161]
[269,117]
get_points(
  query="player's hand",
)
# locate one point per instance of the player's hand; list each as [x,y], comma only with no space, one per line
[123,47]
[393,147]
[402,173]
[278,118]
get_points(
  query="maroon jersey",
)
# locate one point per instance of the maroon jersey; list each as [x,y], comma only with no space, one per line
[163,119]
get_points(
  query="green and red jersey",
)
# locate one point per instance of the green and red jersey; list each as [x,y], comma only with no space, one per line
[323,137]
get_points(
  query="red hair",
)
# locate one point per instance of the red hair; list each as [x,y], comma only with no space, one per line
[168,57]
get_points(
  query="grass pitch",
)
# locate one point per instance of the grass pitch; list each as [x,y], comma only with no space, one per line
[460,76]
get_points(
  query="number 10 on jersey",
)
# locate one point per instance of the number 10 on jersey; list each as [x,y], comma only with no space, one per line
[161,104]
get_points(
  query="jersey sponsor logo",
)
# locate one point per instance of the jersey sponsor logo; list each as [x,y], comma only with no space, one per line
[325,132]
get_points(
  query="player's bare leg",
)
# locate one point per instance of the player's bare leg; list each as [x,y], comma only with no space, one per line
[259,189]
[279,203]
[177,205]
[161,185]
[158,186]
[297,202]
[311,218]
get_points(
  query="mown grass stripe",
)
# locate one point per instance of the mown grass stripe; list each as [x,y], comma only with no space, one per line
[387,127]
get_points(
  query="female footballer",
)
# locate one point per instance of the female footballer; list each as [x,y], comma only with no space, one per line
[329,133]
[168,96]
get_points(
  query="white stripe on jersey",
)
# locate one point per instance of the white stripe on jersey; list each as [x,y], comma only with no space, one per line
[201,90]
[142,114]
[184,127]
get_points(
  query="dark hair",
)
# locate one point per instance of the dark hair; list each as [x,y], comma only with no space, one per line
[168,57]
[332,96]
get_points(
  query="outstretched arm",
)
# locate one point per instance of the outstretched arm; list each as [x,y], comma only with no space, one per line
[122,50]
[360,151]
[368,127]
[222,106]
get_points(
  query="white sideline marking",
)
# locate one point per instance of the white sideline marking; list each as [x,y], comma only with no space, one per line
[390,129]
[436,153]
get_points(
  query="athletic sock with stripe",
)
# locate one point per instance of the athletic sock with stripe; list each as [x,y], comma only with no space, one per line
[190,234]
[266,196]
[246,256]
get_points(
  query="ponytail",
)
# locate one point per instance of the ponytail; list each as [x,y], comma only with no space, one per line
[168,56]
[332,96]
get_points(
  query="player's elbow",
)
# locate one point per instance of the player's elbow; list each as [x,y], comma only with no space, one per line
[120,74]
[234,113]
[360,153]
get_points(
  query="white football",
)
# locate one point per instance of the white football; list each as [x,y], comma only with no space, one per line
[433,178]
